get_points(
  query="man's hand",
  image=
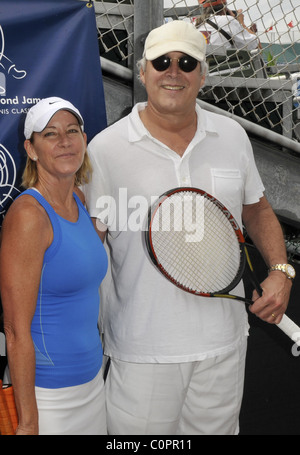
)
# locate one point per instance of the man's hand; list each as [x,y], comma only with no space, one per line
[274,301]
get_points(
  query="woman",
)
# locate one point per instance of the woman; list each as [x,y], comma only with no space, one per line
[52,263]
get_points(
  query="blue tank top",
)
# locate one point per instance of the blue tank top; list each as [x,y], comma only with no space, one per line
[64,327]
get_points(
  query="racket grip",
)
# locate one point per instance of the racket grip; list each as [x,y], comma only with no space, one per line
[290,329]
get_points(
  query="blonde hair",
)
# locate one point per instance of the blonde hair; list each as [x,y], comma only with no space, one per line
[30,174]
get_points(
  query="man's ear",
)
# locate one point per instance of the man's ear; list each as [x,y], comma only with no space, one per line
[203,79]
[142,76]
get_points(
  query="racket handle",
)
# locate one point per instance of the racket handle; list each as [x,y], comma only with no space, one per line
[290,329]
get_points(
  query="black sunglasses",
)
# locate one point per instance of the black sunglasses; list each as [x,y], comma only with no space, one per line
[185,63]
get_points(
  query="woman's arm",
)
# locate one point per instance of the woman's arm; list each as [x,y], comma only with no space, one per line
[265,231]
[26,234]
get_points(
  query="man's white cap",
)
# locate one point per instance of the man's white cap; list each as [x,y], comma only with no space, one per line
[175,36]
[40,114]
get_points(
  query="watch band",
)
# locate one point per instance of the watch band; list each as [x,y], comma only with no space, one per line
[287,269]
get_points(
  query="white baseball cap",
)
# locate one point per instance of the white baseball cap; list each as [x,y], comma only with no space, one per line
[40,114]
[175,36]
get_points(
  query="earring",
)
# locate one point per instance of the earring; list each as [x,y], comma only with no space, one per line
[34,158]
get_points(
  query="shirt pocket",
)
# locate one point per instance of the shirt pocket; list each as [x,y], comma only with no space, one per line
[227,186]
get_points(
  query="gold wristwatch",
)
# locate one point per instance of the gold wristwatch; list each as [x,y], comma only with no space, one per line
[288,269]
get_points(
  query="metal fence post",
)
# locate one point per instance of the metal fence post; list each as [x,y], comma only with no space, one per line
[148,14]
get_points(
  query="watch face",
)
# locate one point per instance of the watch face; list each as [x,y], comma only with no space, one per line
[291,271]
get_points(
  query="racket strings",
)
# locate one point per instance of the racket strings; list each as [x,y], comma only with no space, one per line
[228,244]
[204,254]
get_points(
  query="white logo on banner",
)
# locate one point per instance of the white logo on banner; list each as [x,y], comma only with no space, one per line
[7,164]
[7,179]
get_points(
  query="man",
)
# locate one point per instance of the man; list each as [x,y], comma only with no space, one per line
[177,360]
[224,28]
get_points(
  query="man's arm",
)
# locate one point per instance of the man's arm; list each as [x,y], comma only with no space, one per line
[265,231]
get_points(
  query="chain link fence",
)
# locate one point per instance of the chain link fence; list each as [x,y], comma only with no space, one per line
[115,23]
[261,86]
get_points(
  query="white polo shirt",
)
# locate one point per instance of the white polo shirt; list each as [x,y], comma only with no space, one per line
[145,317]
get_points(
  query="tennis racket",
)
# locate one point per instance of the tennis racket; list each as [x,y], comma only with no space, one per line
[196,243]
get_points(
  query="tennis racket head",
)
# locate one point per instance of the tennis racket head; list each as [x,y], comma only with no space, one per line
[195,242]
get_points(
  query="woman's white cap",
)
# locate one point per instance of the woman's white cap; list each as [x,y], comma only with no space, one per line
[40,114]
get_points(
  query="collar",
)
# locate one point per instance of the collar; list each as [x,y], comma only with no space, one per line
[137,130]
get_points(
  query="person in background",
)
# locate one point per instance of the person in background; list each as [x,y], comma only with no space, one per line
[224,28]
[177,360]
[52,263]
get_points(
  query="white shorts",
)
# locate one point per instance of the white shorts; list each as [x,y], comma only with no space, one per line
[78,410]
[193,398]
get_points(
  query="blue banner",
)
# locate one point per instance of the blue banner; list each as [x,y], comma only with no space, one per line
[47,48]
